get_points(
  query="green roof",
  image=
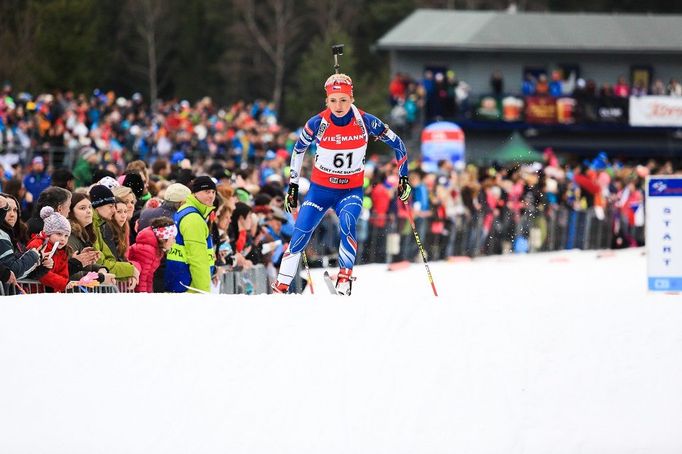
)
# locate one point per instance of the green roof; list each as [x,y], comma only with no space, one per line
[430,29]
[516,151]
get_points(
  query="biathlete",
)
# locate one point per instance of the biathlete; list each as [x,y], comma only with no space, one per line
[341,133]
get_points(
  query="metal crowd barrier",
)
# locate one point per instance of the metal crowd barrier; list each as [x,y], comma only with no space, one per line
[102,288]
[54,156]
[553,229]
[253,281]
[123,287]
[31,287]
[26,287]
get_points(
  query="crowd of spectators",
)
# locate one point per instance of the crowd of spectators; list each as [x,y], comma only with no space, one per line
[443,95]
[169,197]
[134,166]
[471,211]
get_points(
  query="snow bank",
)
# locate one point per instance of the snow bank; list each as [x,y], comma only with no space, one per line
[560,353]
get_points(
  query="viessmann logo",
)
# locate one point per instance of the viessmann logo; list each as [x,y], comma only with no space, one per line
[339,139]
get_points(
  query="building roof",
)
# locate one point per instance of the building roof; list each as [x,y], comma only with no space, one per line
[430,29]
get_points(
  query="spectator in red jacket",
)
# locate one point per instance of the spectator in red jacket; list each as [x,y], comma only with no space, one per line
[378,221]
[621,89]
[53,238]
[152,244]
[397,88]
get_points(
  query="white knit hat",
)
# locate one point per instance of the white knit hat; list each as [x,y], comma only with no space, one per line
[176,192]
[54,222]
[109,182]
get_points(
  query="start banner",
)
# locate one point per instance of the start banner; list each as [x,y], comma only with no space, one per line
[655,111]
[663,232]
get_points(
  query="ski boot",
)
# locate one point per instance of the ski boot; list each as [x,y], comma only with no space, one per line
[279,287]
[344,281]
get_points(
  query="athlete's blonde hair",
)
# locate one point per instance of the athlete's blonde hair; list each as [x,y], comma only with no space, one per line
[338,78]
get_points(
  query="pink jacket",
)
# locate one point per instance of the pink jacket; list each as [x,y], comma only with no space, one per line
[146,252]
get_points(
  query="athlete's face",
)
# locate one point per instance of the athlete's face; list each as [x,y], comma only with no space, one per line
[339,103]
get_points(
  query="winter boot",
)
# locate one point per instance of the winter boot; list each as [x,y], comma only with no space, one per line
[279,287]
[344,281]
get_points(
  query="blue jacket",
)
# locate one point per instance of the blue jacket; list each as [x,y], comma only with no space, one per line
[36,183]
[191,260]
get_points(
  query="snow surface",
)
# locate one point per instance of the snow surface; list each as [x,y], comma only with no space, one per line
[549,353]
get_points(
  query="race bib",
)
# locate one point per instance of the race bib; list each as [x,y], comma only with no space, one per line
[341,162]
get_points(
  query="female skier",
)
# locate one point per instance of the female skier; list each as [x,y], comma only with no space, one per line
[341,133]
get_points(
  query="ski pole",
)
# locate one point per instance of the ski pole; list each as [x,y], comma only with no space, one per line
[307,269]
[421,248]
[305,263]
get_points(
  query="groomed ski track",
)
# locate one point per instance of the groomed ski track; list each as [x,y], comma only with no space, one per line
[562,353]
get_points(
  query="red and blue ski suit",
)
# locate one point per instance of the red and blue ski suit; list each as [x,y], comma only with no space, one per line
[336,180]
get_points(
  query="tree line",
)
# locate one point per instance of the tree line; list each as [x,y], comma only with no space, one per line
[227,49]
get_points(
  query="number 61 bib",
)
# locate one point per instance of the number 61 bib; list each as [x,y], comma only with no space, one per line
[340,157]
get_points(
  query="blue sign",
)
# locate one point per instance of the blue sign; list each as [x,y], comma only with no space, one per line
[442,141]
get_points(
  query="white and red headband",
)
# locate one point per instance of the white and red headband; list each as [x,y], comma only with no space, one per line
[165,233]
[338,87]
[339,83]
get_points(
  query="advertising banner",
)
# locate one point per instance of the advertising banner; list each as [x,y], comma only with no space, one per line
[565,109]
[655,111]
[612,109]
[541,109]
[441,140]
[664,232]
[488,109]
[512,109]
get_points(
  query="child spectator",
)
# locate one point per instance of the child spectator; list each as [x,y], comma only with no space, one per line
[152,244]
[53,239]
[56,198]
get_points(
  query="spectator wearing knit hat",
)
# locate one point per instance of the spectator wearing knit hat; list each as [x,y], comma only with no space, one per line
[173,198]
[53,239]
[152,245]
[109,182]
[103,203]
[190,262]
[134,181]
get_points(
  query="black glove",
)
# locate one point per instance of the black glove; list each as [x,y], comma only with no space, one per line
[404,189]
[291,200]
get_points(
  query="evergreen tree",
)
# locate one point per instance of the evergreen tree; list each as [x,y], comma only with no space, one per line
[305,93]
[70,51]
